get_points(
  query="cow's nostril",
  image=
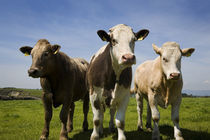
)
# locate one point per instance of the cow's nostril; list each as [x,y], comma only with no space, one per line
[128,57]
[175,75]
[35,71]
[124,57]
[32,71]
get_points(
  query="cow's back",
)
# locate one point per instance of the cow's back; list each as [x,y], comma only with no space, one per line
[67,79]
[80,86]
[147,76]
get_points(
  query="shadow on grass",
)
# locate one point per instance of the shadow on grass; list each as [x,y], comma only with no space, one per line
[187,134]
[166,130]
[131,135]
[86,135]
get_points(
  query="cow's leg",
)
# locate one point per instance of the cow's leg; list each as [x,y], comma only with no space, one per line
[63,117]
[155,116]
[85,112]
[149,117]
[120,116]
[175,118]
[139,100]
[47,101]
[102,109]
[111,122]
[95,99]
[70,118]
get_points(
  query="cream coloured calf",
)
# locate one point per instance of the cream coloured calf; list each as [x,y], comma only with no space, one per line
[160,82]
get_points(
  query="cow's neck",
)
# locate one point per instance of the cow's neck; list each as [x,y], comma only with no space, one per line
[53,78]
[166,84]
[117,72]
[123,74]
[116,68]
[58,69]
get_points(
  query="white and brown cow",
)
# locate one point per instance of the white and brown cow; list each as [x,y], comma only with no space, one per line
[160,82]
[63,80]
[110,75]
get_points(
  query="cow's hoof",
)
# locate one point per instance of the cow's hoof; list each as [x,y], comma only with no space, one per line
[155,134]
[140,129]
[63,138]
[94,137]
[178,135]
[85,126]
[122,138]
[149,129]
[69,129]
[43,138]
[179,138]
[155,138]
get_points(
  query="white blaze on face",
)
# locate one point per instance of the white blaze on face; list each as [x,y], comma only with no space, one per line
[37,55]
[123,41]
[171,62]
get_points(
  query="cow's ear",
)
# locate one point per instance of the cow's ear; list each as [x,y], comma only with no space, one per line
[156,49]
[26,50]
[187,52]
[142,34]
[103,35]
[55,48]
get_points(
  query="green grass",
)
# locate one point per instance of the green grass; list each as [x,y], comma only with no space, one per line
[23,120]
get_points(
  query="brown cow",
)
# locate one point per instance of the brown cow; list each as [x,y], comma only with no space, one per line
[63,82]
[160,82]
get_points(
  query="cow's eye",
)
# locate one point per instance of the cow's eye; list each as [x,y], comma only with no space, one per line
[46,54]
[114,41]
[164,59]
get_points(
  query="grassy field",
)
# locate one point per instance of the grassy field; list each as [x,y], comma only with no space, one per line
[23,120]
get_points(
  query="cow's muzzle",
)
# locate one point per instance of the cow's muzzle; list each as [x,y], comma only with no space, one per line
[128,59]
[34,72]
[174,76]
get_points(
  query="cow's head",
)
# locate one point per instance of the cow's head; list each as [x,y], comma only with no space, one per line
[170,57]
[122,40]
[43,55]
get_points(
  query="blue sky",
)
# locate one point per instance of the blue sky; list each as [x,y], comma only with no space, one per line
[73,25]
